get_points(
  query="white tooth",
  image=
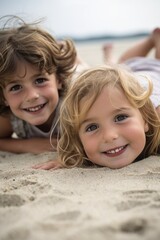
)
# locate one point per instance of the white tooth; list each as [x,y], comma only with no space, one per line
[35,108]
[116,150]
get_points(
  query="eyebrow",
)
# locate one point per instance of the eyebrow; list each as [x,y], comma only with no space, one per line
[116,111]
[87,120]
[19,80]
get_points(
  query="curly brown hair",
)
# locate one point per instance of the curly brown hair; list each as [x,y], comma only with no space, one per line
[31,43]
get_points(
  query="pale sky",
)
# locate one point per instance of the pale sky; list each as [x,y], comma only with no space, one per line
[82,18]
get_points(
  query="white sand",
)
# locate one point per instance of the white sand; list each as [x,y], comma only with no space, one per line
[81,203]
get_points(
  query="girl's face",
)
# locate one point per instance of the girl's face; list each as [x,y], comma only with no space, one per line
[32,95]
[113,131]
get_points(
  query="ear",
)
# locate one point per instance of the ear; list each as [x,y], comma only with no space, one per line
[59,85]
[146,127]
[6,103]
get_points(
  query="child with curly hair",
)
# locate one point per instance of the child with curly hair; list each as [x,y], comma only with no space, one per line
[34,70]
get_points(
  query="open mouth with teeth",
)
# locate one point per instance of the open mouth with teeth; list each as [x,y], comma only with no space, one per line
[116,151]
[35,109]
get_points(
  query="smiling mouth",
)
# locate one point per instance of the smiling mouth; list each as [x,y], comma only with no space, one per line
[35,109]
[116,151]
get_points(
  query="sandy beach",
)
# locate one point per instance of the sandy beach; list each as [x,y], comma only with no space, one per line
[90,203]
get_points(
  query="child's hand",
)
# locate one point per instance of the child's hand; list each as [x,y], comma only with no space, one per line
[52,164]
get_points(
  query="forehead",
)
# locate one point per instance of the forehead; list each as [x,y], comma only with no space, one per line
[107,90]
[110,97]
[24,68]
[21,71]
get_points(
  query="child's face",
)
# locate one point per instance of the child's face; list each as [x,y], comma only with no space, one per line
[113,131]
[33,96]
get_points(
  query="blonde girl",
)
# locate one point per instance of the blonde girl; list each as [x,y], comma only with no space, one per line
[107,118]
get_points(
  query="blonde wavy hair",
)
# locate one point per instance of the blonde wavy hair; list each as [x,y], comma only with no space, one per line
[21,41]
[89,85]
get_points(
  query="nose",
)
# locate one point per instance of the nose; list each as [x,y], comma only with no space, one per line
[31,95]
[110,134]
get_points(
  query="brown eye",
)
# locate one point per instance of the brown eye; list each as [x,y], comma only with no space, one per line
[40,80]
[15,88]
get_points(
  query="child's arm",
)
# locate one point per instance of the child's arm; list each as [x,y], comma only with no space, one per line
[32,145]
[5,127]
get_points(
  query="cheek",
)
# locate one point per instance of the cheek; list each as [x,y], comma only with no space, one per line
[137,136]
[89,146]
[135,129]
[54,99]
[52,93]
[11,101]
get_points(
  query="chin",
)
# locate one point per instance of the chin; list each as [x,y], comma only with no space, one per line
[120,165]
[36,123]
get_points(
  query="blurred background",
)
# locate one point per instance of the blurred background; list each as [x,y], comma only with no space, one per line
[89,20]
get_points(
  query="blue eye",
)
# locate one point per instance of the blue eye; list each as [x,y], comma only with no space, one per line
[120,118]
[91,128]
